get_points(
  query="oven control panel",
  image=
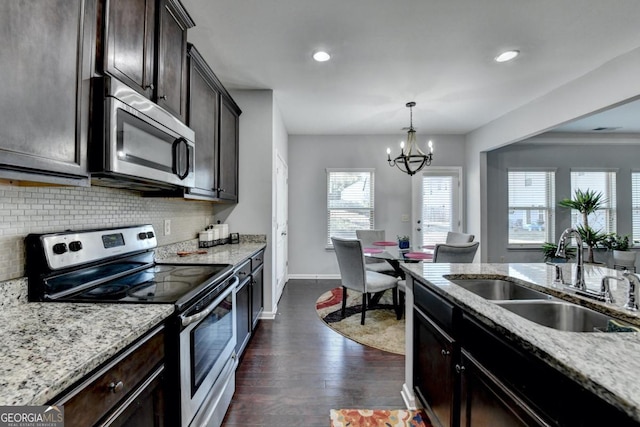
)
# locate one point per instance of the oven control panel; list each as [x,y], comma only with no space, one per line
[69,249]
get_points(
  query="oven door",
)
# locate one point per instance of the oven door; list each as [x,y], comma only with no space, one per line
[207,344]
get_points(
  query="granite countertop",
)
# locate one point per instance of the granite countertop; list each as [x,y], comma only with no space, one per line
[47,347]
[222,254]
[608,364]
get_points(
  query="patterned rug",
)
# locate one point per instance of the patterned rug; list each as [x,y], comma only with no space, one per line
[381,330]
[379,418]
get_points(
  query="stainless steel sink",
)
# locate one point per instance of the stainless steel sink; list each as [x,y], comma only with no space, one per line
[560,315]
[499,289]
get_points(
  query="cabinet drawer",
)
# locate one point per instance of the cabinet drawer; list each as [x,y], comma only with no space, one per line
[257,260]
[434,306]
[244,270]
[96,396]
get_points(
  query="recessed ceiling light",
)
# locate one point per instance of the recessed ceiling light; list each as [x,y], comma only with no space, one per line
[321,56]
[507,56]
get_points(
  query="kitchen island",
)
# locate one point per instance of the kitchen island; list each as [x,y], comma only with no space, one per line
[605,365]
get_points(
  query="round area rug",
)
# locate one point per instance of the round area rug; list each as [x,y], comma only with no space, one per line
[381,330]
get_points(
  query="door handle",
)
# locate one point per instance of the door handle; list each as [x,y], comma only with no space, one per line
[284,233]
[177,155]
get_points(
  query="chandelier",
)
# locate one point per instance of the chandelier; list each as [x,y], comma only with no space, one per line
[413,159]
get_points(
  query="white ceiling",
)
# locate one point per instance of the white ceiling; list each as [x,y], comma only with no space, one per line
[438,53]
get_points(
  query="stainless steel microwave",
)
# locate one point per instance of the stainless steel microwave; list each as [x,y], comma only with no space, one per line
[135,143]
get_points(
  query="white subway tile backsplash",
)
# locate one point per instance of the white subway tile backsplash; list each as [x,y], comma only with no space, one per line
[25,210]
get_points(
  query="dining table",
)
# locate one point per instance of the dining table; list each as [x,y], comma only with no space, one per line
[390,252]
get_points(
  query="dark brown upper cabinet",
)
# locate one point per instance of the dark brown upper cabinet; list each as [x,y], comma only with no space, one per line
[145,46]
[214,117]
[46,64]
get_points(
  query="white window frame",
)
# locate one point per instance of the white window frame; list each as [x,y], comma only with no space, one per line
[548,210]
[609,212]
[635,207]
[370,210]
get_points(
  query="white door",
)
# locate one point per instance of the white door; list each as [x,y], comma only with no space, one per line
[437,205]
[282,221]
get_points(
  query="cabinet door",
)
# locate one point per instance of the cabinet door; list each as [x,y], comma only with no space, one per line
[44,96]
[203,119]
[228,150]
[256,295]
[172,58]
[243,315]
[434,357]
[130,47]
[485,401]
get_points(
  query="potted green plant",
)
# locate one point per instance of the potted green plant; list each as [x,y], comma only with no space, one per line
[549,250]
[403,242]
[619,245]
[587,202]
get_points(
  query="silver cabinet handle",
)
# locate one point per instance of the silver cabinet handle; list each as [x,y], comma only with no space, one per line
[163,97]
[445,353]
[460,369]
[116,387]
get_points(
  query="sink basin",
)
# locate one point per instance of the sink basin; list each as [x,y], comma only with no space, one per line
[559,315]
[499,289]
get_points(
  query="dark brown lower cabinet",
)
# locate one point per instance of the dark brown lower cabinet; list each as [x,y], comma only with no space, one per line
[127,391]
[485,401]
[434,379]
[243,314]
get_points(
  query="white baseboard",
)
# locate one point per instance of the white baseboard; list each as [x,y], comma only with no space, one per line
[314,276]
[408,397]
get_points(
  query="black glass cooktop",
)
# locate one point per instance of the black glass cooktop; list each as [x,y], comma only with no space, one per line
[161,283]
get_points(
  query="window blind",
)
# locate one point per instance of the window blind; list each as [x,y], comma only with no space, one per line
[437,208]
[635,206]
[604,219]
[531,206]
[350,202]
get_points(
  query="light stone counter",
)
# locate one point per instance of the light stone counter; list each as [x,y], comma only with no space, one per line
[46,347]
[608,364]
[222,254]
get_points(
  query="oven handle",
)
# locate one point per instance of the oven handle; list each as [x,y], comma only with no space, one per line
[186,321]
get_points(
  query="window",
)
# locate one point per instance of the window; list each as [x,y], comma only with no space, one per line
[531,206]
[349,202]
[635,206]
[439,200]
[604,219]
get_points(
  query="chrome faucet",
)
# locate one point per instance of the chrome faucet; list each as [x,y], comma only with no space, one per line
[634,285]
[578,277]
[605,289]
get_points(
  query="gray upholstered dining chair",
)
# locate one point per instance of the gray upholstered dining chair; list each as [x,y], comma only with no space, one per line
[367,237]
[458,253]
[457,238]
[354,276]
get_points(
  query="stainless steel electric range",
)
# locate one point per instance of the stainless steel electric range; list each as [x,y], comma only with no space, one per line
[117,265]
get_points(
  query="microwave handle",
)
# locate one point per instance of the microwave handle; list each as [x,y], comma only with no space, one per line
[176,158]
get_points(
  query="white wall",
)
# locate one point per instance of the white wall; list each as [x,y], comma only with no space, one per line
[310,155]
[614,82]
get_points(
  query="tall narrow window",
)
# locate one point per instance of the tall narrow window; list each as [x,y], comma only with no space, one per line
[350,204]
[531,206]
[635,206]
[439,206]
[604,219]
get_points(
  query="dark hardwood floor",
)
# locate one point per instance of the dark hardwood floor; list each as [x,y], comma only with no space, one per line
[295,369]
